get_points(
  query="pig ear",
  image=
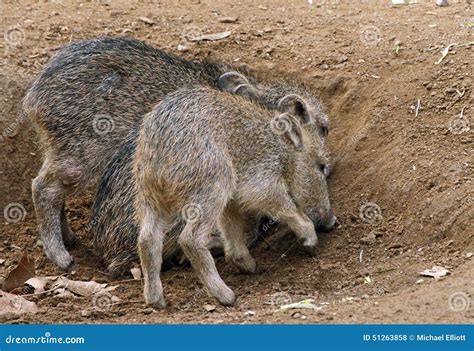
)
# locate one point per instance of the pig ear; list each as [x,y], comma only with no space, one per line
[236,83]
[289,127]
[295,105]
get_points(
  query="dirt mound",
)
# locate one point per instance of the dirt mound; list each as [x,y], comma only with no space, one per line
[400,136]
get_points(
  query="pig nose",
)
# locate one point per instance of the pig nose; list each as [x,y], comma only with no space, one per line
[327,221]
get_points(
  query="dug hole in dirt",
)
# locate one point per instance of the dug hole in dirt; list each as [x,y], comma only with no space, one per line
[400,138]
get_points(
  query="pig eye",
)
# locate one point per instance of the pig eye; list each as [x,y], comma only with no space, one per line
[324,169]
[324,131]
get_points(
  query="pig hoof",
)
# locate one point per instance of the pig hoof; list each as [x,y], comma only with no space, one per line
[310,247]
[70,267]
[65,261]
[157,302]
[246,265]
[70,241]
[228,298]
[159,305]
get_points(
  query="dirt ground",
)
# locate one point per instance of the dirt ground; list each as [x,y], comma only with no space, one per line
[402,146]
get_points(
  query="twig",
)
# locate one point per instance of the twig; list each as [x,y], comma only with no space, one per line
[417,108]
[445,52]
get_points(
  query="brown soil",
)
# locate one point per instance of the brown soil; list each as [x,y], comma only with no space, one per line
[370,64]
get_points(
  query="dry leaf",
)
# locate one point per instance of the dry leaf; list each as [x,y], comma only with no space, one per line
[308,304]
[24,271]
[435,272]
[13,306]
[39,283]
[209,308]
[82,288]
[214,36]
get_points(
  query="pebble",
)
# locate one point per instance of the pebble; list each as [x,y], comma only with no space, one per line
[228,19]
[368,239]
[86,313]
[147,310]
[146,20]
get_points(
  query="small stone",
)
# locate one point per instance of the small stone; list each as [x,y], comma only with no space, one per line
[182,48]
[420,281]
[368,239]
[146,20]
[86,313]
[342,59]
[469,255]
[229,19]
[442,3]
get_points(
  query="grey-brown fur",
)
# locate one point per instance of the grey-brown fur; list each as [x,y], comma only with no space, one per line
[113,228]
[111,83]
[227,160]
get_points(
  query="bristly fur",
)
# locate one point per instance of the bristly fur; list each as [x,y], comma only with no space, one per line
[222,155]
[116,81]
